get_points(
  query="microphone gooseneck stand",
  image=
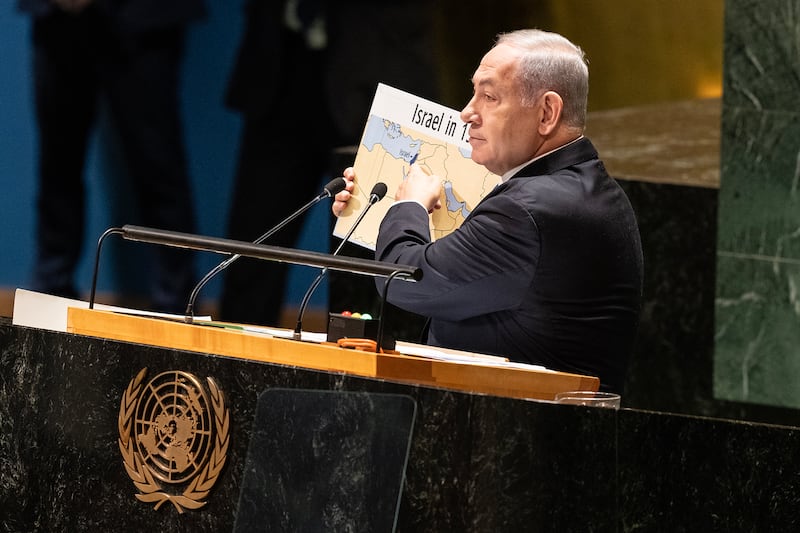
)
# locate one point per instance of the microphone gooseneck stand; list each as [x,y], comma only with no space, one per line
[376,195]
[331,189]
[353,265]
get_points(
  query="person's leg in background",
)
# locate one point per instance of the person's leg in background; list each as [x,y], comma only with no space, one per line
[283,156]
[143,90]
[65,97]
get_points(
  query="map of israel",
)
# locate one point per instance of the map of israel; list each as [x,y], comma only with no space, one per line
[403,129]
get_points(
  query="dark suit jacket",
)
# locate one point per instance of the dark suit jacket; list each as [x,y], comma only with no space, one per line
[132,15]
[547,269]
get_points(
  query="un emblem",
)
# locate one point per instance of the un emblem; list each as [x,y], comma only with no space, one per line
[173,436]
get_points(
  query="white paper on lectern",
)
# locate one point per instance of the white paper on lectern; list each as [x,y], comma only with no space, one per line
[45,311]
[420,350]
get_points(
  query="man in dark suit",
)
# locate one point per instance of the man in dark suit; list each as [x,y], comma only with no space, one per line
[547,269]
[130,52]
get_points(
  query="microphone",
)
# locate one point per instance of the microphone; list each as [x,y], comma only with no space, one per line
[328,191]
[375,196]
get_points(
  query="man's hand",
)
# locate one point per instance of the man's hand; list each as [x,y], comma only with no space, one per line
[422,187]
[341,199]
[419,186]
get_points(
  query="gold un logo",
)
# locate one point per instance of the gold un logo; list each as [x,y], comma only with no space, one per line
[173,435]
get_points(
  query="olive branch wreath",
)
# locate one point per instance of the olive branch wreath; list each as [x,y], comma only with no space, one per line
[143,479]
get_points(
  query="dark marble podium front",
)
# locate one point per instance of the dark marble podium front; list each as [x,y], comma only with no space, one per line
[474,462]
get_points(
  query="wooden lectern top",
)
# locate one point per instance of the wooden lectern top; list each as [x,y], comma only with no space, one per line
[479,377]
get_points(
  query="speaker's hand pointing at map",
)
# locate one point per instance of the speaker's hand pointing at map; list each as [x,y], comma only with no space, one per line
[341,199]
[421,186]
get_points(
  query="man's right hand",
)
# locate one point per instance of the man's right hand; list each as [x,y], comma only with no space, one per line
[421,186]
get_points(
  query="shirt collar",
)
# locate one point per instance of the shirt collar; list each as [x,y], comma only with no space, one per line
[508,175]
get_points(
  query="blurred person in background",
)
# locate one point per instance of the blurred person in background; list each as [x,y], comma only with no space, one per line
[129,52]
[304,86]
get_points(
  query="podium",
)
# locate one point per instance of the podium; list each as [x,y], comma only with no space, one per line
[295,448]
[141,423]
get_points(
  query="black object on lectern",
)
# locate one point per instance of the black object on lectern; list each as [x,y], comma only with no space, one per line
[325,461]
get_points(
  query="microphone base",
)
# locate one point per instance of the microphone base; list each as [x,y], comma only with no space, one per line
[346,327]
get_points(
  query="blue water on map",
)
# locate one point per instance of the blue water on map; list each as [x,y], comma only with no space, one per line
[453,204]
[389,136]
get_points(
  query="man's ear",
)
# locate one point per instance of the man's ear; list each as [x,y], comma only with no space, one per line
[552,106]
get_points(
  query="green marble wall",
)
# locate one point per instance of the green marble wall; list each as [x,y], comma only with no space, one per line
[757,322]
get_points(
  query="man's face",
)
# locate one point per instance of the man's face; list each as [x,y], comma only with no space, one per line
[503,134]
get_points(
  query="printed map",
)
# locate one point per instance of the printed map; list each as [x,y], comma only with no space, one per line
[385,153]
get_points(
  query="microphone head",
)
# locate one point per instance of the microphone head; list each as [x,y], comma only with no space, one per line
[378,192]
[334,187]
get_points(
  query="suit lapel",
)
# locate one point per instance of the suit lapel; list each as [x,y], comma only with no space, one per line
[577,152]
